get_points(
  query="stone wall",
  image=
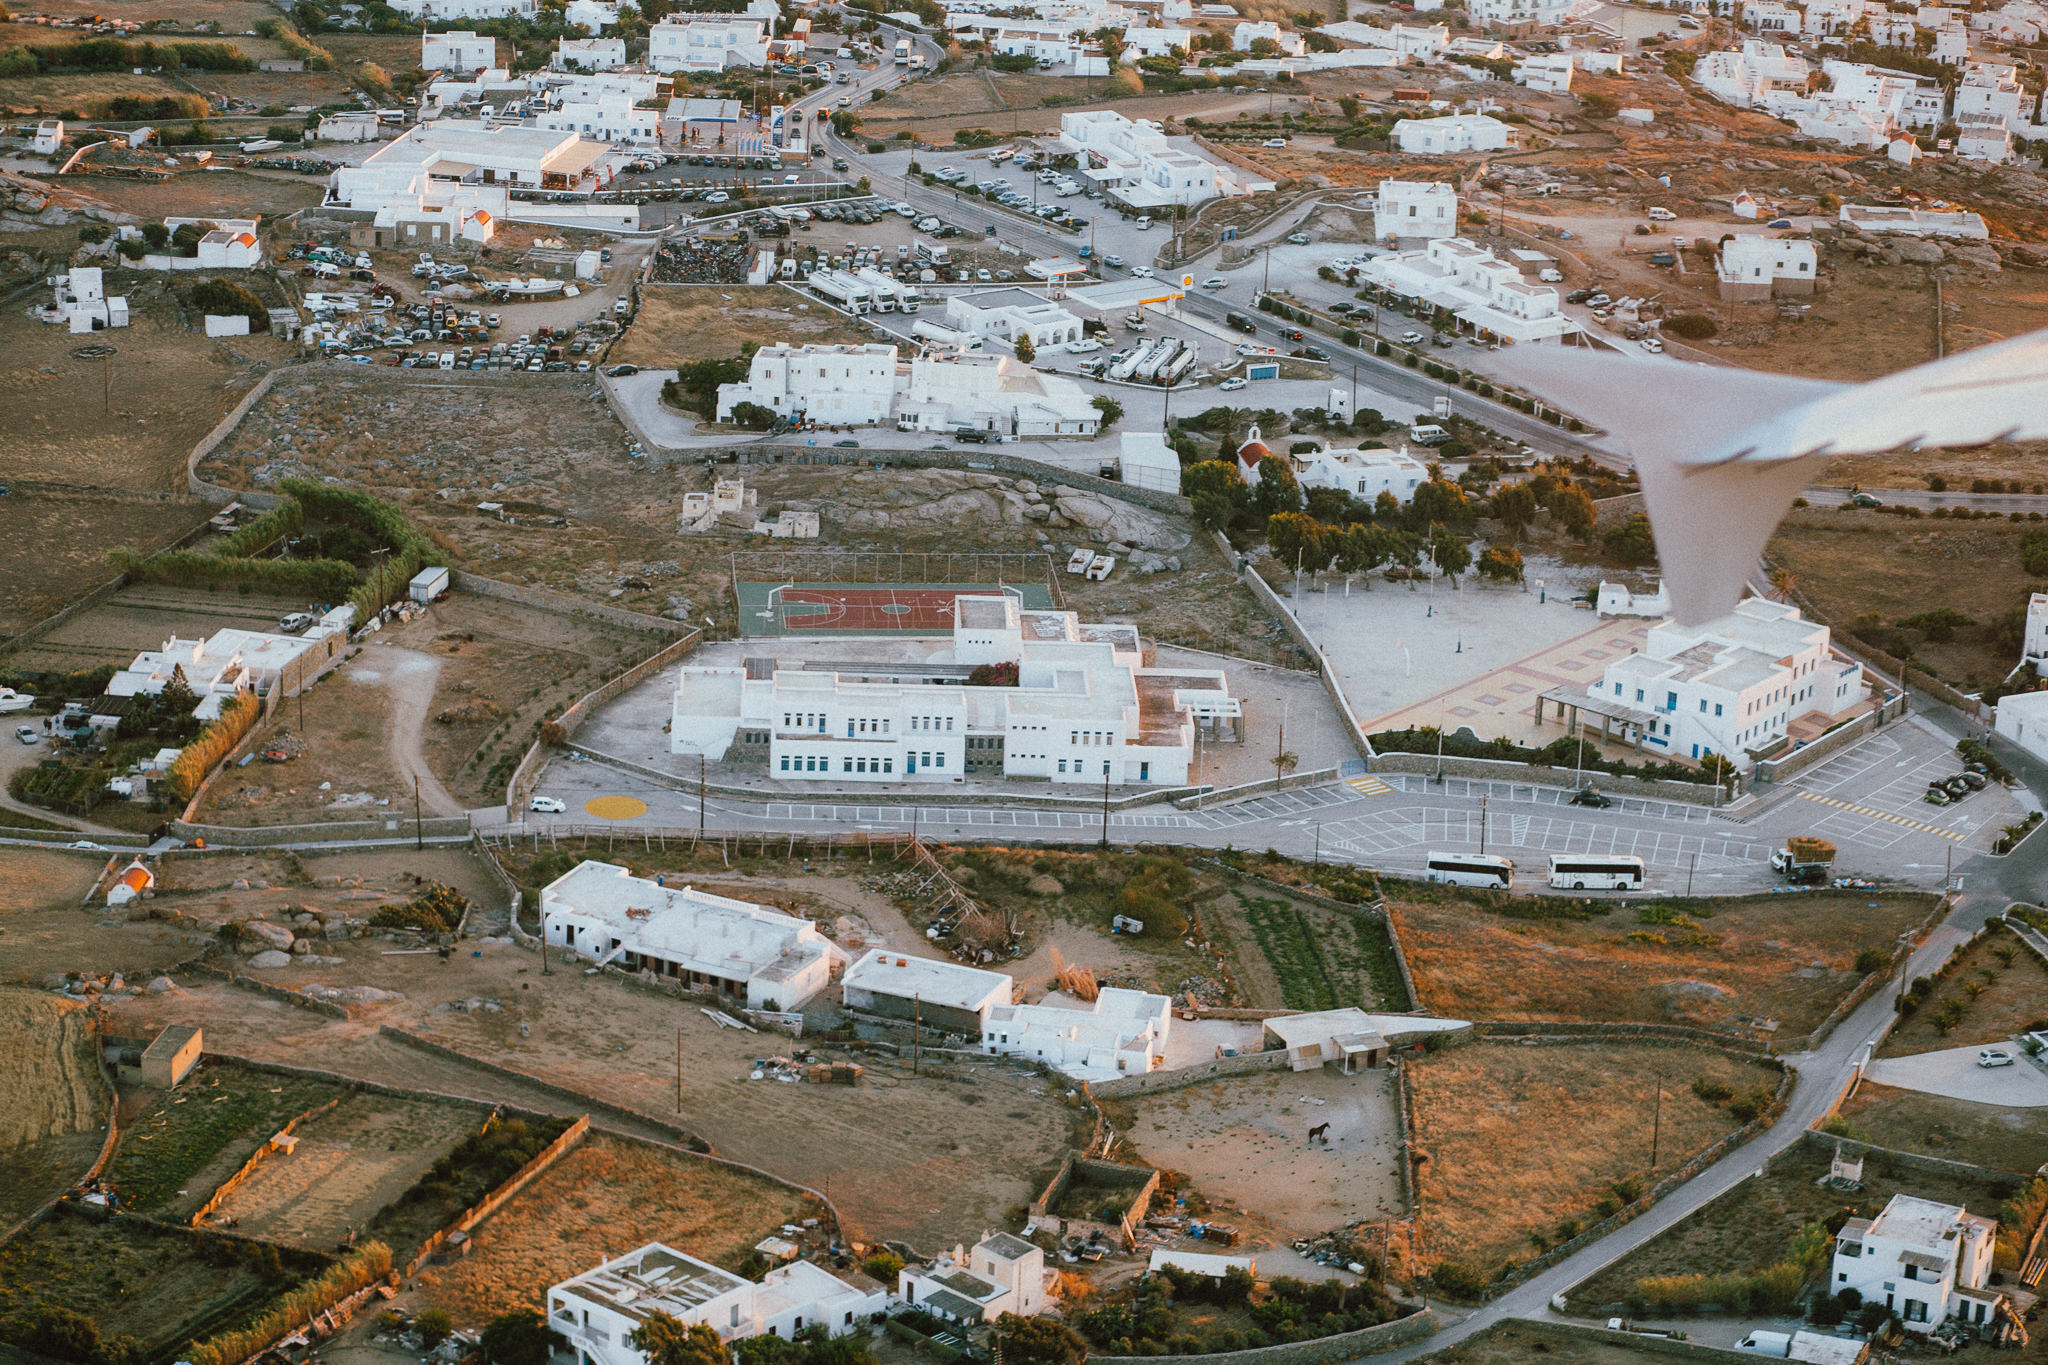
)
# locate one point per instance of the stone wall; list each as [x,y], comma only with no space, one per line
[564,604]
[1831,743]
[1376,912]
[1323,1351]
[213,492]
[435,827]
[1750,1046]
[1270,600]
[1504,770]
[1827,1143]
[1217,795]
[1152,1082]
[982,459]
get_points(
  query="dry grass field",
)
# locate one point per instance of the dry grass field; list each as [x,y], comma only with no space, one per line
[71,533]
[1525,1140]
[1750,1227]
[1992,1135]
[607,1196]
[1997,989]
[1520,1341]
[44,928]
[2026,463]
[1749,959]
[228,193]
[198,1135]
[53,1102]
[678,323]
[1850,563]
[348,1163]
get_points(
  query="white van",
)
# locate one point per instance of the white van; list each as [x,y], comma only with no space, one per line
[323,270]
[1428,434]
[1469,869]
[1550,275]
[1663,216]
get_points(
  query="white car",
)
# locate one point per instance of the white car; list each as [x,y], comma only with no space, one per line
[25,734]
[1143,272]
[1652,345]
[546,805]
[1232,385]
[1297,239]
[1113,260]
[1084,346]
[1412,338]
[1215,282]
[718,197]
[1274,142]
[1992,1056]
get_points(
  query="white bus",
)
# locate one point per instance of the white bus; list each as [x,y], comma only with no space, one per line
[1469,869]
[1595,872]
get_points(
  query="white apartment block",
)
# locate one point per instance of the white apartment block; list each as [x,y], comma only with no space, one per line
[589,54]
[1951,45]
[2022,22]
[1142,41]
[1520,14]
[1006,314]
[836,385]
[1770,16]
[1732,686]
[1984,137]
[1450,135]
[959,392]
[1548,73]
[1001,1274]
[458,11]
[1364,474]
[592,16]
[708,42]
[457,50]
[1743,78]
[1085,710]
[1119,1033]
[606,118]
[1893,31]
[1832,18]
[599,1310]
[1483,291]
[1993,91]
[754,954]
[1289,43]
[1927,1262]
[1752,267]
[1134,163]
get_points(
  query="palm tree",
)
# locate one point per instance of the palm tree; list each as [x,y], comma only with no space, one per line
[1783,584]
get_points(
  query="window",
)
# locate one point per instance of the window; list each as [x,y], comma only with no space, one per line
[888,765]
[1703,706]
[1063,765]
[939,761]
[1717,708]
[847,765]
[1670,701]
[785,763]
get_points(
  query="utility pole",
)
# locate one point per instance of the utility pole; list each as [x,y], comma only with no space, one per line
[418,841]
[700,796]
[916,1031]
[1656,1120]
[1439,753]
[1316,858]
[1689,871]
[1105,805]
[1482,824]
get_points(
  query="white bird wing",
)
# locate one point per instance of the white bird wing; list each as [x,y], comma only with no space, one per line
[1723,452]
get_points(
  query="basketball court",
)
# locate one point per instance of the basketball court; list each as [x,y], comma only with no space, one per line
[770,609]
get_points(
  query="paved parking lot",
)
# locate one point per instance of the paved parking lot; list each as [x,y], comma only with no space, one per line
[1871,795]
[1954,1073]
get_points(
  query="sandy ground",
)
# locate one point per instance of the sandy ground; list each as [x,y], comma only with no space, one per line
[71,533]
[52,1101]
[1244,1142]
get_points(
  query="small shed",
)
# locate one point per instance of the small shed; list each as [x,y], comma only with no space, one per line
[175,1052]
[428,584]
[133,881]
[588,265]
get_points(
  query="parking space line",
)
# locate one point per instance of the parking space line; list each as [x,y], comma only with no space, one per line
[1886,816]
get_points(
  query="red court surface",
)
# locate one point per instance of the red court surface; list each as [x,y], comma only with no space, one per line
[922,610]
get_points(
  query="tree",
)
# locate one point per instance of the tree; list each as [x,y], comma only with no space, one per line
[1285,762]
[1514,507]
[1598,105]
[1573,511]
[1217,490]
[753,416]
[185,241]
[157,235]
[434,1327]
[228,299]
[1276,490]
[520,1337]
[1111,410]
[1039,1341]
[1361,549]
[882,1266]
[1630,542]
[1448,552]
[664,1340]
[1503,564]
[60,1333]
[1297,539]
[1026,352]
[1440,500]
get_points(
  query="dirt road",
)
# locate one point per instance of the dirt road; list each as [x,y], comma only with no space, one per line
[410,678]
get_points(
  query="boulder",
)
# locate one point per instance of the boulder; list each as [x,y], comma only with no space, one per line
[301,946]
[159,985]
[276,935]
[1913,251]
[1976,257]
[270,960]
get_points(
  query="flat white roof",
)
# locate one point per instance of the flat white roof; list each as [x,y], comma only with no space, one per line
[715,935]
[1197,1263]
[946,984]
[1321,1026]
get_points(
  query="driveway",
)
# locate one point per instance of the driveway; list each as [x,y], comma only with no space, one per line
[640,395]
[1953,1073]
[410,678]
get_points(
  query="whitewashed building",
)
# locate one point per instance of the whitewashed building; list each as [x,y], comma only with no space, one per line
[1547,73]
[457,50]
[1732,686]
[589,54]
[1481,290]
[1137,165]
[1415,210]
[933,993]
[1751,267]
[1288,42]
[1001,1274]
[1925,1261]
[1143,41]
[82,303]
[233,661]
[951,391]
[1744,77]
[755,954]
[1364,474]
[1085,709]
[1119,1033]
[460,172]
[599,1310]
[1006,314]
[2022,717]
[350,125]
[837,385]
[709,42]
[592,16]
[1145,460]
[612,118]
[1450,135]
[1520,15]
[458,11]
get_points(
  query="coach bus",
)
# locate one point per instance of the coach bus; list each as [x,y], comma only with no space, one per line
[1469,869]
[1595,872]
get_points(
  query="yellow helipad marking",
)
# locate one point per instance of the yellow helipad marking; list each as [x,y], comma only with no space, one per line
[1886,816]
[1370,786]
[615,807]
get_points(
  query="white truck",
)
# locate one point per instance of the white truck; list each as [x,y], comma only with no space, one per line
[930,253]
[1760,1343]
[844,290]
[945,336]
[1805,861]
[880,286]
[903,52]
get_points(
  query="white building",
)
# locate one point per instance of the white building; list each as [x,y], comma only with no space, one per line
[2022,717]
[1733,686]
[1085,709]
[232,661]
[49,137]
[589,54]
[599,1310]
[1832,18]
[949,391]
[82,304]
[1983,137]
[1364,474]
[451,169]
[1145,460]
[616,119]
[1912,222]
[936,994]
[2034,646]
[1548,73]
[752,953]
[1289,43]
[708,42]
[1993,91]
[1926,1262]
[1753,267]
[1449,135]
[1142,41]
[1002,1274]
[1771,16]
[350,125]
[1520,14]
[1006,314]
[437,11]
[1422,43]
[1743,78]
[837,385]
[1120,1033]
[457,50]
[1136,164]
[1415,210]
[592,16]
[1483,291]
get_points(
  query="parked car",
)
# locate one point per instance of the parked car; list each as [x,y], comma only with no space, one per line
[1412,338]
[1994,1056]
[546,805]
[1215,282]
[1274,142]
[1587,796]
[1861,499]
[24,734]
[1935,796]
[1232,384]
[1114,260]
[847,444]
[1779,223]
[1297,239]
[1143,272]
[1652,345]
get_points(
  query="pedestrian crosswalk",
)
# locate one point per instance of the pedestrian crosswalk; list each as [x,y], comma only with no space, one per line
[1369,786]
[1887,816]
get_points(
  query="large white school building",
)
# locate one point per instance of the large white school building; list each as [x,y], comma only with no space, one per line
[1083,709]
